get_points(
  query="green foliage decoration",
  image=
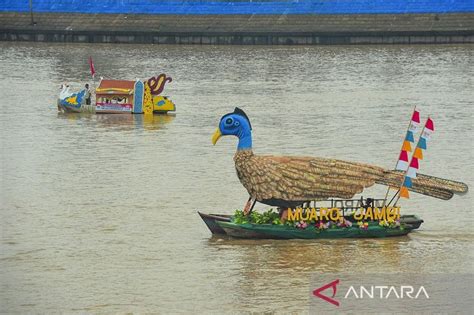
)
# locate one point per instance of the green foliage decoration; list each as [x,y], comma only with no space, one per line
[267,217]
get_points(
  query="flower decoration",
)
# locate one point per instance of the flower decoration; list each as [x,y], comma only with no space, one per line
[322,226]
[363,225]
[344,223]
[390,223]
[301,225]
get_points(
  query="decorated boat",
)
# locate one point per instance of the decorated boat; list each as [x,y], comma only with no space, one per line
[213,222]
[357,218]
[137,97]
[71,102]
[292,183]
[120,97]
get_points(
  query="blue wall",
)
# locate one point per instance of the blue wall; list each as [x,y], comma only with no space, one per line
[241,7]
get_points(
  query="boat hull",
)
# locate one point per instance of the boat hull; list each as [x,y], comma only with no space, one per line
[211,221]
[412,222]
[288,232]
[74,109]
[69,109]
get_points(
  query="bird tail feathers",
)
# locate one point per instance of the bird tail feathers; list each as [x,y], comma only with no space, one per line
[425,184]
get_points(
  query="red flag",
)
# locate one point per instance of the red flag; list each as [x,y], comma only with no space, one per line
[91,65]
[403,156]
[416,116]
[414,163]
[429,124]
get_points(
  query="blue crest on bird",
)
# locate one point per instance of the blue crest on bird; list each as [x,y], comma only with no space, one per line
[240,112]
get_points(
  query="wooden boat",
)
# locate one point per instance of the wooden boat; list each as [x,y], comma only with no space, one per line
[120,97]
[248,230]
[213,222]
[136,97]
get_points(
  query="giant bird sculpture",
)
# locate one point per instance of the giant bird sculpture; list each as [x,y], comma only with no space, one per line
[286,181]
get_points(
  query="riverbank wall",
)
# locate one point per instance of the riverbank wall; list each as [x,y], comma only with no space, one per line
[307,22]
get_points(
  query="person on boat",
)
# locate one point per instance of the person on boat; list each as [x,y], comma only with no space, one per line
[283,213]
[369,203]
[88,95]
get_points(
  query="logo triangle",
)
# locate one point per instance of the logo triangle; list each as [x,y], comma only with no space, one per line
[326,298]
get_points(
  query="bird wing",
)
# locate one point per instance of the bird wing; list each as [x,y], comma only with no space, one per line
[305,178]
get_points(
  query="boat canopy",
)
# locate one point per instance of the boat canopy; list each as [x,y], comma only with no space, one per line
[115,87]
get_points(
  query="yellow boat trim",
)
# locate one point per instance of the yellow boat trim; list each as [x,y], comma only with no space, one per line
[129,91]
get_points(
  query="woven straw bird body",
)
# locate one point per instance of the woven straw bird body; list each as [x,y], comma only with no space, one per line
[290,181]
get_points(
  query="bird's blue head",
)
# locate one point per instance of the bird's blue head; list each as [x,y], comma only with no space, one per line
[235,124]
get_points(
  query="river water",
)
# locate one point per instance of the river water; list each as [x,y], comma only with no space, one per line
[98,213]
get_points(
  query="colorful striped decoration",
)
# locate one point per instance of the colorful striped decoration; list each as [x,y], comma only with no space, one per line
[402,163]
[414,165]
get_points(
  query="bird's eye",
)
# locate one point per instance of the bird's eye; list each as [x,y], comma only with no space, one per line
[228,121]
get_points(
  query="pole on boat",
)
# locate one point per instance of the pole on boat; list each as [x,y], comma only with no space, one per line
[398,198]
[393,198]
[92,69]
[411,160]
[31,13]
[388,188]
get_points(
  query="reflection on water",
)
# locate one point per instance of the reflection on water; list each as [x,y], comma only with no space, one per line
[123,121]
[321,256]
[98,212]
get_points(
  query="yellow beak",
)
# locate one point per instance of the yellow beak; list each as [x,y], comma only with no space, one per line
[217,134]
